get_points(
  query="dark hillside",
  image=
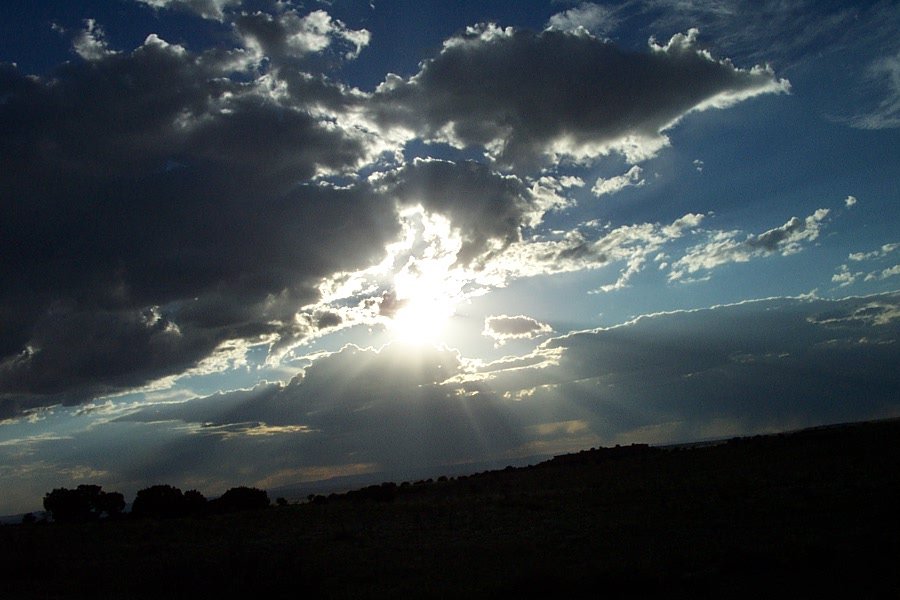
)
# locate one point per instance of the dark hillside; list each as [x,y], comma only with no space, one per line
[807,514]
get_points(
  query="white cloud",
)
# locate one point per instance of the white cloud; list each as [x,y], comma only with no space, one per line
[881,252]
[850,201]
[593,18]
[845,276]
[288,36]
[726,247]
[208,9]
[589,247]
[90,43]
[614,184]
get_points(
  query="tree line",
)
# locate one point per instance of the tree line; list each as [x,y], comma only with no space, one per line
[90,502]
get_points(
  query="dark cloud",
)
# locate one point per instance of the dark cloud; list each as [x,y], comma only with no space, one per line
[505,327]
[763,365]
[525,96]
[148,182]
[391,407]
[756,366]
[328,319]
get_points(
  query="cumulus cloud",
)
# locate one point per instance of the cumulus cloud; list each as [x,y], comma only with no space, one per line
[578,97]
[193,199]
[846,276]
[220,193]
[849,201]
[288,36]
[726,246]
[503,328]
[632,177]
[881,252]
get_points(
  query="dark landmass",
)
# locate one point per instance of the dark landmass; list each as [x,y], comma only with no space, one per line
[806,514]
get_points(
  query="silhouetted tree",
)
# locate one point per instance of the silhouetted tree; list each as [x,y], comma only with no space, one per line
[159,501]
[112,503]
[194,502]
[83,503]
[242,498]
[67,505]
[281,501]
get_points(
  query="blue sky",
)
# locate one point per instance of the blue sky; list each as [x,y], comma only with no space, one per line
[262,243]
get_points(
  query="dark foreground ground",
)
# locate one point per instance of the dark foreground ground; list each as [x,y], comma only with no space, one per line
[809,514]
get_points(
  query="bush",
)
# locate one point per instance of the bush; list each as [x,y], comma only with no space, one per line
[242,498]
[159,501]
[86,502]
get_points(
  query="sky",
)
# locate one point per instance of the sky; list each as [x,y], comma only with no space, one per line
[274,242]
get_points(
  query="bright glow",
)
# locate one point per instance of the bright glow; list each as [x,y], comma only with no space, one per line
[429,285]
[423,319]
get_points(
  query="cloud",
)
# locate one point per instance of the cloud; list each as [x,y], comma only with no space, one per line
[757,366]
[503,328]
[90,43]
[488,209]
[739,369]
[845,276]
[884,72]
[632,177]
[881,252]
[286,37]
[590,246]
[530,97]
[725,246]
[764,30]
[208,9]
[152,183]
[386,407]
[850,201]
[593,18]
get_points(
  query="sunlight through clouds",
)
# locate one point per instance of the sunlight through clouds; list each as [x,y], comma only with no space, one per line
[253,240]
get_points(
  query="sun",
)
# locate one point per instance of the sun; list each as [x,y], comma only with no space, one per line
[422,320]
[426,282]
[425,307]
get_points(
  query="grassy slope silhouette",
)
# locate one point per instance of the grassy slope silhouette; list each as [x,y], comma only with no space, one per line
[809,513]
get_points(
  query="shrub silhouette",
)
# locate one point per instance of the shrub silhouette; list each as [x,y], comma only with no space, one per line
[84,503]
[112,503]
[160,501]
[241,498]
[194,502]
